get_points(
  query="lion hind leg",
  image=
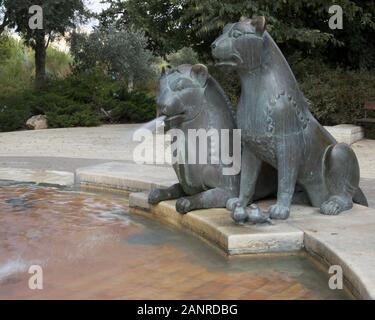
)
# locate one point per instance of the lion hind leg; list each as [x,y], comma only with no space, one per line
[159,195]
[341,175]
[213,198]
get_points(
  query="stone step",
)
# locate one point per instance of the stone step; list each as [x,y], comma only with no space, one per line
[347,133]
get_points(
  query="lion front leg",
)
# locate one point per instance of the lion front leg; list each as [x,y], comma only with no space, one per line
[289,160]
[250,169]
[171,193]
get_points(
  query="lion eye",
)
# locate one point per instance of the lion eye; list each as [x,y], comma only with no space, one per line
[236,34]
[181,85]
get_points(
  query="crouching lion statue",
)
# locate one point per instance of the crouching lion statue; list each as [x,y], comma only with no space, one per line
[190,98]
[278,128]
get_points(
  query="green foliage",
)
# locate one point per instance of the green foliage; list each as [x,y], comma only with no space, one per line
[17,65]
[73,115]
[121,53]
[337,96]
[134,107]
[159,19]
[297,25]
[230,82]
[14,111]
[15,70]
[58,16]
[183,56]
[77,100]
[58,63]
[5,52]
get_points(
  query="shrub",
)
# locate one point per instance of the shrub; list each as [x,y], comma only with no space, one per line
[75,117]
[137,106]
[230,82]
[14,111]
[69,99]
[75,101]
[13,118]
[337,95]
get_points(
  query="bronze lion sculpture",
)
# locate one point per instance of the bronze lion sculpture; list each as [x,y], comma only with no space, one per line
[190,99]
[278,129]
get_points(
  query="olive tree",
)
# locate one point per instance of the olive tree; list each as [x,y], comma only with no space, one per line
[120,52]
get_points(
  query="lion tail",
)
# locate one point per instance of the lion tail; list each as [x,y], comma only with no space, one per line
[360,198]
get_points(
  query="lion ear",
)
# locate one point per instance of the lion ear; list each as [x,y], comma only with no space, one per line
[259,22]
[199,73]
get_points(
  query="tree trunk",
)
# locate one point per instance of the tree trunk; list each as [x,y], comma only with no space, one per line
[40,59]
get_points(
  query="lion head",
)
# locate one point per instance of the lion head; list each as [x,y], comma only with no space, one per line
[182,93]
[241,44]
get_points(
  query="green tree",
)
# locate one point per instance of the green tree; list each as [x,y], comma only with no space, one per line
[121,53]
[58,17]
[183,56]
[160,19]
[296,25]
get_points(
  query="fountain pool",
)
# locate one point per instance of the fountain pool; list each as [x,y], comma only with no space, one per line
[89,247]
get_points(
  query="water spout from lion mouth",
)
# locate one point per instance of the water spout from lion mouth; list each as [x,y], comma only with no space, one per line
[153,125]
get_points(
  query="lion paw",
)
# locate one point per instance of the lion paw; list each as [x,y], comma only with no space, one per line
[279,212]
[335,205]
[183,205]
[239,214]
[232,203]
[155,196]
[331,208]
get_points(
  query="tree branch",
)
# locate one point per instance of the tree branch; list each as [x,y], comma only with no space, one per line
[49,39]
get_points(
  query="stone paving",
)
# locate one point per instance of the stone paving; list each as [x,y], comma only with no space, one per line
[72,148]
[111,142]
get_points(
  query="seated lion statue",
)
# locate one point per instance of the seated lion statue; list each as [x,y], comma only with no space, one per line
[190,98]
[279,129]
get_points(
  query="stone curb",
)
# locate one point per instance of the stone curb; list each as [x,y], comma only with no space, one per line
[58,178]
[216,226]
[126,176]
